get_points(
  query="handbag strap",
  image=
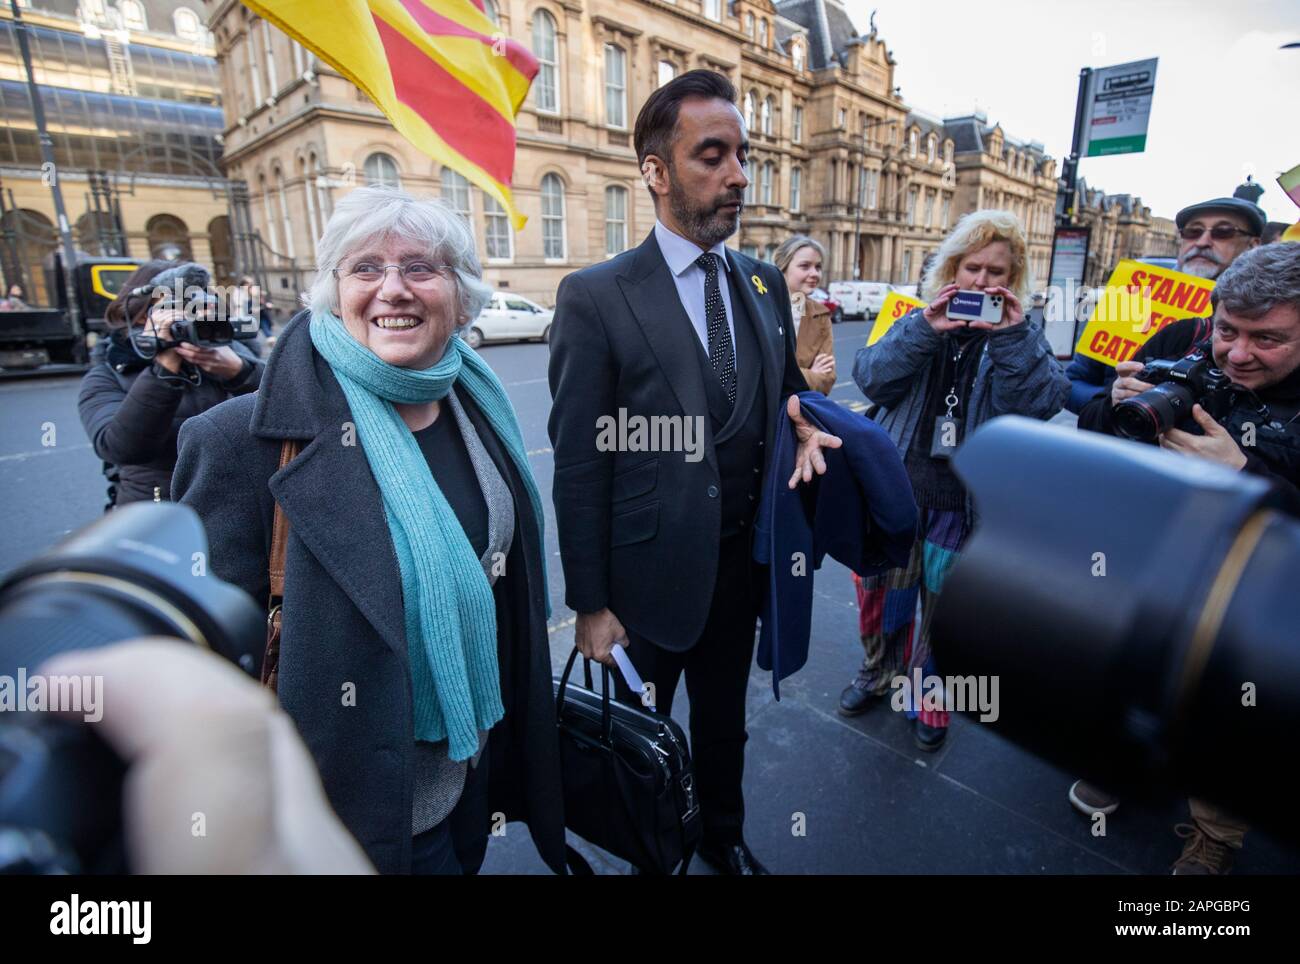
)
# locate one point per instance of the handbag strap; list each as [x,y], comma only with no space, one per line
[280,528]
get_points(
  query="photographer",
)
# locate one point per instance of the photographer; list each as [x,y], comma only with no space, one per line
[1214,233]
[1254,338]
[143,385]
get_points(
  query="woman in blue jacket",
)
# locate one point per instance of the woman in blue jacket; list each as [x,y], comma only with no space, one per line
[936,380]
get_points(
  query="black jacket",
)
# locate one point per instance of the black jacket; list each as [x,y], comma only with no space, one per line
[343,618]
[639,532]
[1276,452]
[132,419]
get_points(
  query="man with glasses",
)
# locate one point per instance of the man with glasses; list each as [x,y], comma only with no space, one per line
[1254,338]
[1213,234]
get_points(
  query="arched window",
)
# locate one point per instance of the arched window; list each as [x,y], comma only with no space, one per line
[762,33]
[455,191]
[553,217]
[615,219]
[931,148]
[490,11]
[766,191]
[133,16]
[912,143]
[169,238]
[796,188]
[749,24]
[796,54]
[499,238]
[615,86]
[187,23]
[749,110]
[545,49]
[767,114]
[750,188]
[713,9]
[382,169]
[667,71]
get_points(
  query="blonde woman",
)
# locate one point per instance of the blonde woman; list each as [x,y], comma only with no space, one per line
[936,379]
[800,260]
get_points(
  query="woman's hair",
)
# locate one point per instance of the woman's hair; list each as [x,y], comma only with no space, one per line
[374,213]
[973,232]
[790,247]
[128,309]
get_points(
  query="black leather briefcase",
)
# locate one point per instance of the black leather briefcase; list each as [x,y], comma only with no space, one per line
[628,784]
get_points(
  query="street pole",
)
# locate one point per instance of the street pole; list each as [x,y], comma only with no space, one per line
[50,168]
[1065,217]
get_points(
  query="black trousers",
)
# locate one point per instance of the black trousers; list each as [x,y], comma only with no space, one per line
[717,678]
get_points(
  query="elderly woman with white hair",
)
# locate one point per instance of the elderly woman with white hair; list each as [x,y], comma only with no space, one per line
[385,457]
[936,379]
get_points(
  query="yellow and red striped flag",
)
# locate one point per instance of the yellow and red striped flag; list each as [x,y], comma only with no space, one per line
[436,70]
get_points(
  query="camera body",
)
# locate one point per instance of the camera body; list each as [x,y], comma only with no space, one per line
[1179,384]
[971,306]
[207,320]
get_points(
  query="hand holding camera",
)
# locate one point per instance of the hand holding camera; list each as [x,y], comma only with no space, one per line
[991,309]
[1126,383]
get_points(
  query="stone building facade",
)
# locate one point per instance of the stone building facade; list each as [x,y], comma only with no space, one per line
[835,152]
[132,104]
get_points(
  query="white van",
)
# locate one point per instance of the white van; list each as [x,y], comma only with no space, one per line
[860,299]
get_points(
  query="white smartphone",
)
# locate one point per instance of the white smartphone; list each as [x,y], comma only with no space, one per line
[975,306]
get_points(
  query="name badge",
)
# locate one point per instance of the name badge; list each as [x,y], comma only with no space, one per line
[947,436]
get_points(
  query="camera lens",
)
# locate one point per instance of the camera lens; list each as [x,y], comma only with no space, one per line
[1145,416]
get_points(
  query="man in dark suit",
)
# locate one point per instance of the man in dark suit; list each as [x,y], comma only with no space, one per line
[689,340]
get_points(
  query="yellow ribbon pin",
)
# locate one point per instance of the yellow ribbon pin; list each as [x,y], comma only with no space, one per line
[758,283]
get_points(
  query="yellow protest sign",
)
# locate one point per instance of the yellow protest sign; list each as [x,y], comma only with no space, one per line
[894,306]
[1139,300]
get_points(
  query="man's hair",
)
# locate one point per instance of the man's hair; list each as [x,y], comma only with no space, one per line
[1259,280]
[656,124]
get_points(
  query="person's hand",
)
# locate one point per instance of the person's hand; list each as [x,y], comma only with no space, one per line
[1012,312]
[220,362]
[936,312]
[218,780]
[808,459]
[1125,385]
[1216,444]
[159,325]
[596,635]
[823,364]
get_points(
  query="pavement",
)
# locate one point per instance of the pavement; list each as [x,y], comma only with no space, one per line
[825,793]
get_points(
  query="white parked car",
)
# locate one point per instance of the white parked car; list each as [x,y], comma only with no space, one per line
[509,317]
[860,299]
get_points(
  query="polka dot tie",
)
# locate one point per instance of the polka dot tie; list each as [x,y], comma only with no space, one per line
[721,355]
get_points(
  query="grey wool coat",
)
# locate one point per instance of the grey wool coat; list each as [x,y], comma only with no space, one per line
[343,619]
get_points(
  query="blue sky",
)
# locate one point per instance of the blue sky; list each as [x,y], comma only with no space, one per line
[1227,100]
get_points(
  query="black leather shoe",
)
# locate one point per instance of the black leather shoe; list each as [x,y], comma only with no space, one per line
[930,738]
[855,700]
[734,860]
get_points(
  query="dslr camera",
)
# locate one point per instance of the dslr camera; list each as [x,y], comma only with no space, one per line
[1178,385]
[206,319]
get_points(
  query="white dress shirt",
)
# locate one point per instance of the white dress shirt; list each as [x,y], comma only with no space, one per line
[681,255]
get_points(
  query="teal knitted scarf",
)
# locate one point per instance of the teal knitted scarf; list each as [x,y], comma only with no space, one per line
[450,614]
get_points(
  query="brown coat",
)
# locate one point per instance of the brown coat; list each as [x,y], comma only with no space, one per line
[815,339]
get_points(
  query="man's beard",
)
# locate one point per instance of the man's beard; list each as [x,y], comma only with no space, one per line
[1201,269]
[705,225]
